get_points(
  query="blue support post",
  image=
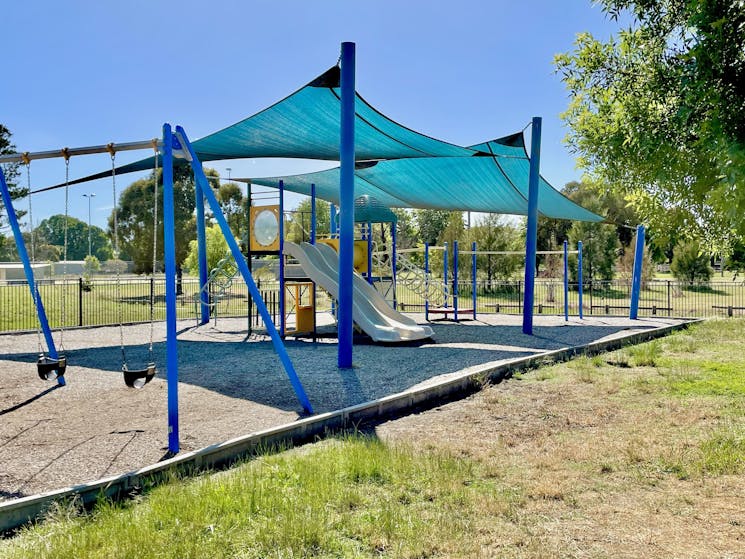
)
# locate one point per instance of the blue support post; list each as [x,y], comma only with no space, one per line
[636,281]
[346,203]
[566,281]
[426,281]
[473,277]
[202,257]
[445,289]
[169,253]
[531,239]
[28,270]
[393,264]
[245,272]
[369,254]
[580,287]
[282,300]
[313,214]
[455,281]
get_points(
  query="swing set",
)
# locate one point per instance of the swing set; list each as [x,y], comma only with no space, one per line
[52,363]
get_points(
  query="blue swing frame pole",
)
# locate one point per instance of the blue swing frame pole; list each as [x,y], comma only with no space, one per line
[245,272]
[636,281]
[531,238]
[426,281]
[202,257]
[346,203]
[566,281]
[169,254]
[455,281]
[28,270]
[473,277]
[580,287]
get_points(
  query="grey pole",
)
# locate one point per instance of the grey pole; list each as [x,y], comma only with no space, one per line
[89,196]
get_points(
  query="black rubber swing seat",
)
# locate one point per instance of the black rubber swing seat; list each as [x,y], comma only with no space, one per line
[49,368]
[139,377]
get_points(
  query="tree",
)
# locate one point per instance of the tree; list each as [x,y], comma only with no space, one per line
[406,232]
[233,206]
[51,231]
[600,247]
[493,233]
[10,171]
[658,112]
[298,227]
[135,219]
[431,224]
[217,249]
[690,264]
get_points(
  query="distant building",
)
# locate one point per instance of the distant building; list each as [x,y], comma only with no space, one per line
[13,271]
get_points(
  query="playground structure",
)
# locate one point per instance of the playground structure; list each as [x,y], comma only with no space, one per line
[379,151]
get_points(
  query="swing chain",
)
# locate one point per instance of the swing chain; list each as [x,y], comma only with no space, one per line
[155,250]
[112,151]
[34,292]
[63,310]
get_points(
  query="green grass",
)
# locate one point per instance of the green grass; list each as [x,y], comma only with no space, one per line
[358,497]
[355,497]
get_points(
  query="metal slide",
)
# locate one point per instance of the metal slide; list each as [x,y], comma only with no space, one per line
[371,312]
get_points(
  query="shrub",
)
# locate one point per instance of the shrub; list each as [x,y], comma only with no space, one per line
[690,264]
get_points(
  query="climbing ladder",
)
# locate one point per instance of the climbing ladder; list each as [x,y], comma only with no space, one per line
[417,280]
[218,283]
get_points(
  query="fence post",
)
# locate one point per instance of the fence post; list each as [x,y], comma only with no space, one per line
[669,306]
[80,301]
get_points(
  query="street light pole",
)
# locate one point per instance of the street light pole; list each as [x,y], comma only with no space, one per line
[89,196]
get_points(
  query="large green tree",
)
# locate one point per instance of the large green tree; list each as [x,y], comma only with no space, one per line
[135,218]
[494,233]
[431,224]
[298,226]
[51,231]
[658,113]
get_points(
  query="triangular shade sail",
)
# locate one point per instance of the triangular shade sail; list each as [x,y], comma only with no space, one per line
[306,125]
[485,183]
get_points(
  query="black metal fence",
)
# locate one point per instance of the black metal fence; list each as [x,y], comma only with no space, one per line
[100,301]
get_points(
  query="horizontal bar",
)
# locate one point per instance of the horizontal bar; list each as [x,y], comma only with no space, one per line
[70,152]
[514,252]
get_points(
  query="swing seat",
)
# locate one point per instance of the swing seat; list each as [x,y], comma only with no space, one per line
[49,368]
[139,377]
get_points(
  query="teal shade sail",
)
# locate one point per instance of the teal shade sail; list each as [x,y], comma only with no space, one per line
[494,180]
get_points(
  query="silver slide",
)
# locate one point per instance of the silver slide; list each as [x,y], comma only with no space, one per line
[371,312]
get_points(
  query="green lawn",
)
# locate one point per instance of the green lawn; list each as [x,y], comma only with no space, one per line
[654,433]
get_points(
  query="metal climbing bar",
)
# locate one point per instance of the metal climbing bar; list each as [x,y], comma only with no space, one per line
[28,270]
[279,347]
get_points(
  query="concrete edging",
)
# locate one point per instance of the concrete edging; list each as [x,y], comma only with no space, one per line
[17,512]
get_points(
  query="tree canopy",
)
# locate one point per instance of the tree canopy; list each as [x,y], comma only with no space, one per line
[11,175]
[658,113]
[51,231]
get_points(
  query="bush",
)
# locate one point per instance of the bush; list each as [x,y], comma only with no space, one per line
[690,264]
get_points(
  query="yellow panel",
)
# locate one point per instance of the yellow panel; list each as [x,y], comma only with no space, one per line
[360,253]
[263,244]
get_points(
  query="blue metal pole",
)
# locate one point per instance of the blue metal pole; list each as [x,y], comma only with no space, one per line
[28,270]
[636,281]
[393,269]
[580,287]
[245,272]
[445,274]
[346,202]
[566,280]
[281,259]
[531,239]
[473,276]
[426,281]
[455,281]
[202,257]
[313,214]
[169,253]
[369,253]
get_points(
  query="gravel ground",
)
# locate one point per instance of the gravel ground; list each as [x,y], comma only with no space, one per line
[230,385]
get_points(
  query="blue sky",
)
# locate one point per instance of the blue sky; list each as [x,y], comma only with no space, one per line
[90,72]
